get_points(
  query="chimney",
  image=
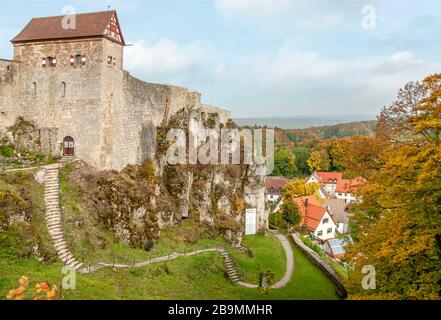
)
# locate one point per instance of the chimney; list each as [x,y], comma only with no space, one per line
[306,202]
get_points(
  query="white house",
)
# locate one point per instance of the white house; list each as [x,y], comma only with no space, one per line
[274,187]
[328,181]
[316,219]
[346,189]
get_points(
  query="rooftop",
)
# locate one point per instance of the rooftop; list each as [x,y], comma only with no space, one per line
[87,25]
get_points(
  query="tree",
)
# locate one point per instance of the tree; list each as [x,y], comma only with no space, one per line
[318,161]
[299,188]
[291,212]
[284,163]
[397,227]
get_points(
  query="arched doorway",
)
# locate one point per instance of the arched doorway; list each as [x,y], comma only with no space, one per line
[69,147]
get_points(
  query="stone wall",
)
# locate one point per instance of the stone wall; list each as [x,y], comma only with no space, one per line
[64,96]
[8,105]
[315,258]
[111,115]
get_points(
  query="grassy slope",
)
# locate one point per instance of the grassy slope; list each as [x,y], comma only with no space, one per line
[197,277]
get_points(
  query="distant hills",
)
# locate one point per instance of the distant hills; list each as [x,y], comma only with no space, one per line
[301,122]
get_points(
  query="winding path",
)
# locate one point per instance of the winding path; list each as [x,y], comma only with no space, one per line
[57,233]
[289,265]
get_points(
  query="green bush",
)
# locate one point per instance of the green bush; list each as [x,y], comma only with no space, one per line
[7,151]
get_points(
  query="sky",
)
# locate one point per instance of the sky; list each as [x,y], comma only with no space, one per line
[269,58]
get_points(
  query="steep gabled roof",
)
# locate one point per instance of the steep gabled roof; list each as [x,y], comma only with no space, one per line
[88,25]
[312,212]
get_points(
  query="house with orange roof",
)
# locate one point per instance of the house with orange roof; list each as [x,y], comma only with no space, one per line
[347,189]
[328,181]
[316,219]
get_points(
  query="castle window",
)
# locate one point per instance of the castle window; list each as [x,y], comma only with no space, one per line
[63,89]
[109,60]
[51,62]
[34,89]
[78,60]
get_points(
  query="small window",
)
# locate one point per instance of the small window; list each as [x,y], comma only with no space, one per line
[320,233]
[326,220]
[63,89]
[109,60]
[34,89]
[51,61]
[330,230]
[78,60]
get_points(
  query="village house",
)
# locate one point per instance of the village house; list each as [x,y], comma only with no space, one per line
[335,187]
[274,187]
[338,208]
[316,219]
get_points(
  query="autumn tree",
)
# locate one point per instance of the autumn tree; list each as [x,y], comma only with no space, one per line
[397,227]
[299,188]
[318,161]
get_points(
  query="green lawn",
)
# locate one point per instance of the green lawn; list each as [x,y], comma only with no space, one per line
[196,277]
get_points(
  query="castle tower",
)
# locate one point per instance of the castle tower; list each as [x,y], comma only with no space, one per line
[68,73]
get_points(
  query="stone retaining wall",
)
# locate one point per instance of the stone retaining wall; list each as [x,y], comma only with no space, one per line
[318,261]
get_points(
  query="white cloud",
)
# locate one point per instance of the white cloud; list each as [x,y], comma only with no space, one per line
[288,81]
[164,58]
[296,82]
[260,7]
[305,13]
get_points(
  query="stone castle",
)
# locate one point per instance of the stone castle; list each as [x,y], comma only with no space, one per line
[71,84]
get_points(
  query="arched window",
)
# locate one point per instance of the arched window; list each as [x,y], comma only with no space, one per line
[63,89]
[34,89]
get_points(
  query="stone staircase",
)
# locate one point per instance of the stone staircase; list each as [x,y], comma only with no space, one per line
[54,218]
[229,264]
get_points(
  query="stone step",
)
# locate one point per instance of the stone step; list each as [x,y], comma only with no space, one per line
[66,256]
[58,237]
[62,250]
[61,246]
[55,230]
[76,265]
[53,220]
[53,213]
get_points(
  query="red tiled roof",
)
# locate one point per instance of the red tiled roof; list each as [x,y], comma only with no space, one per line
[50,28]
[313,213]
[349,186]
[275,184]
[329,176]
